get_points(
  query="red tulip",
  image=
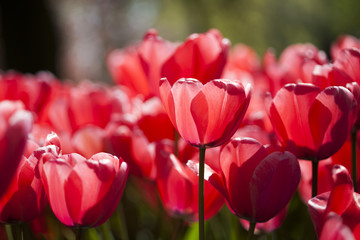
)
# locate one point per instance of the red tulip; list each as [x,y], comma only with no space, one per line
[153,116]
[83,192]
[311,123]
[33,90]
[178,188]
[201,56]
[342,200]
[25,198]
[256,185]
[342,43]
[138,67]
[335,229]
[15,125]
[205,115]
[244,58]
[88,140]
[324,178]
[348,61]
[296,64]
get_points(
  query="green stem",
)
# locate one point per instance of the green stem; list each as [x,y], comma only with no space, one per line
[79,233]
[178,229]
[9,233]
[123,227]
[106,229]
[315,166]
[251,230]
[354,156]
[201,192]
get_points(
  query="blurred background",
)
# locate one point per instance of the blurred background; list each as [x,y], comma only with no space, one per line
[72,38]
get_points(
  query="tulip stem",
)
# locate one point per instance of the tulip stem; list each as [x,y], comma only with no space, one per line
[315,166]
[9,233]
[79,233]
[201,192]
[251,230]
[354,156]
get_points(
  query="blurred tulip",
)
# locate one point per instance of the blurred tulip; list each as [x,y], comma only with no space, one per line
[25,198]
[179,189]
[205,115]
[201,56]
[15,125]
[83,192]
[138,67]
[344,42]
[153,116]
[311,123]
[256,185]
[295,65]
[32,90]
[324,178]
[335,229]
[268,226]
[342,200]
[348,61]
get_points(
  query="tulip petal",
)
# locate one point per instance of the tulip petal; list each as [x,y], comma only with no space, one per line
[184,91]
[238,160]
[55,173]
[273,184]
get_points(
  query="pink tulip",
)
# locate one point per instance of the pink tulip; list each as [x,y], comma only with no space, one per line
[83,192]
[205,115]
[311,123]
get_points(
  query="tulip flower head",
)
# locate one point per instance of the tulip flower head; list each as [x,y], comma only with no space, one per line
[310,122]
[341,205]
[205,115]
[201,56]
[83,192]
[256,185]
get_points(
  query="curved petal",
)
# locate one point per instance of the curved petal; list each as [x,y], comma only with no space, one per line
[55,173]
[274,182]
[184,91]
[238,160]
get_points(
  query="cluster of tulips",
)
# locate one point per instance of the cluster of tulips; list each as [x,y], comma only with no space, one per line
[202,124]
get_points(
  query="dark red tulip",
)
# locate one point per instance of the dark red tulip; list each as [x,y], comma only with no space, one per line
[205,115]
[310,122]
[15,125]
[341,200]
[83,192]
[256,185]
[201,56]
